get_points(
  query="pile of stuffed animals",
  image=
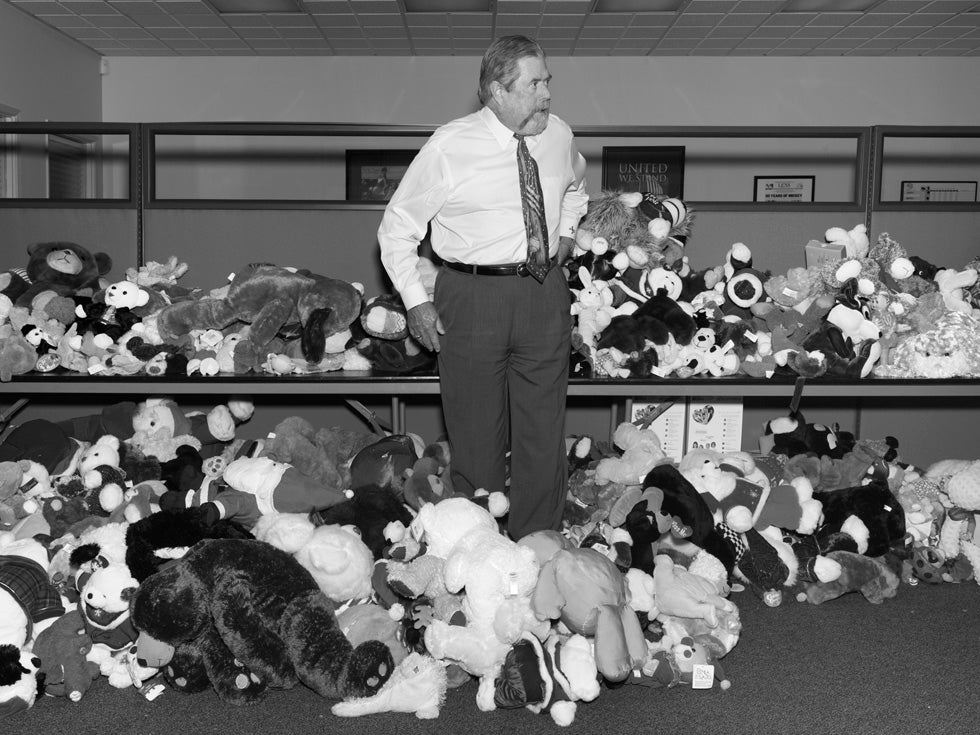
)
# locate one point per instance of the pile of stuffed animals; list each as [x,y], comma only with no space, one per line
[169,550]
[640,309]
[644,310]
[63,312]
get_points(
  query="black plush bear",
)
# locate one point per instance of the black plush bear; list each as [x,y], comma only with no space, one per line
[245,616]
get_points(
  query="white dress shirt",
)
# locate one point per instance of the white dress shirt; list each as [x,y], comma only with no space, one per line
[465,181]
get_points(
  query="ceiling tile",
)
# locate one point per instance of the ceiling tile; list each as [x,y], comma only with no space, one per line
[699,27]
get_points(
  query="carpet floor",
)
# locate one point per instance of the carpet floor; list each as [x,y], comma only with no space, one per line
[846,667]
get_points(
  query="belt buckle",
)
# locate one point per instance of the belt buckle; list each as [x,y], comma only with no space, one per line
[522,270]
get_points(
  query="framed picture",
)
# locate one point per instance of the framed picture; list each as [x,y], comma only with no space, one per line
[789,189]
[373,176]
[939,191]
[654,170]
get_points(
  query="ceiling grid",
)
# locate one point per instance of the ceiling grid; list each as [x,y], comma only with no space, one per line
[563,27]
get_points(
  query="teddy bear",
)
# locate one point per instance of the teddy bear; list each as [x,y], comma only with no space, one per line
[855,241]
[270,299]
[244,616]
[18,679]
[63,649]
[323,454]
[641,452]
[22,484]
[98,479]
[958,536]
[585,591]
[339,561]
[17,355]
[66,268]
[499,577]
[105,591]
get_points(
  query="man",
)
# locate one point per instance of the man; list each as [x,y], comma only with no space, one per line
[501,318]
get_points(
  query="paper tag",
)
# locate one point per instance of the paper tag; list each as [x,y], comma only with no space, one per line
[131,669]
[230,277]
[96,367]
[702,676]
[515,588]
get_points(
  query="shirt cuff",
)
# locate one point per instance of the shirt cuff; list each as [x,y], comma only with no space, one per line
[414,295]
[568,227]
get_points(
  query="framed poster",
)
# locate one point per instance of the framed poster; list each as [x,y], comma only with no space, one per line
[783,189]
[655,170]
[373,175]
[939,191]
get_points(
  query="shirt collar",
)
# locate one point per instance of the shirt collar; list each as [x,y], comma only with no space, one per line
[503,135]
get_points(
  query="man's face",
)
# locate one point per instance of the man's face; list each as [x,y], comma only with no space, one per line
[524,108]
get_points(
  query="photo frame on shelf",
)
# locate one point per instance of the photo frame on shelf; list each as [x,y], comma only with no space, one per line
[649,169]
[784,189]
[939,191]
[373,175]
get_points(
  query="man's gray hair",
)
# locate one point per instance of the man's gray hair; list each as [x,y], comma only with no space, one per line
[500,62]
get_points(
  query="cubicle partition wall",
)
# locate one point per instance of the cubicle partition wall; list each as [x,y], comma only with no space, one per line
[221,195]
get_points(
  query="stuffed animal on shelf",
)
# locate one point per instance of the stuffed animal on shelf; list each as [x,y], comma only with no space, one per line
[276,629]
[269,299]
[66,268]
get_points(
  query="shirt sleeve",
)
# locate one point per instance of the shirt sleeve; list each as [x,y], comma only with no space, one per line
[576,200]
[420,195]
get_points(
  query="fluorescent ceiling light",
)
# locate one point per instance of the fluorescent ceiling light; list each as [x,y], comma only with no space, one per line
[229,7]
[826,6]
[447,6]
[636,6]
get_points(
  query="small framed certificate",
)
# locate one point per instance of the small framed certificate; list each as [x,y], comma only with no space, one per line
[790,189]
[939,191]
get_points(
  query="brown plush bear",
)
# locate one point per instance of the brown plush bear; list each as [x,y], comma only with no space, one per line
[66,268]
[244,616]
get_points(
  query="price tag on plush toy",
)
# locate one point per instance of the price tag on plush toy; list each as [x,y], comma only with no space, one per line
[702,676]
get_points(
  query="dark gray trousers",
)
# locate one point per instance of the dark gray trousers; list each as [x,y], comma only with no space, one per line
[503,370]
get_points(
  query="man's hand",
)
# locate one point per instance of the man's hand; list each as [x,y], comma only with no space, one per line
[424,325]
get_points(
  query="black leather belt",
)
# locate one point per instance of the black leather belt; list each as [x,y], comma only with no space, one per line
[514,269]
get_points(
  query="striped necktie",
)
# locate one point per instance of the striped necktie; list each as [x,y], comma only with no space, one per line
[532,202]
